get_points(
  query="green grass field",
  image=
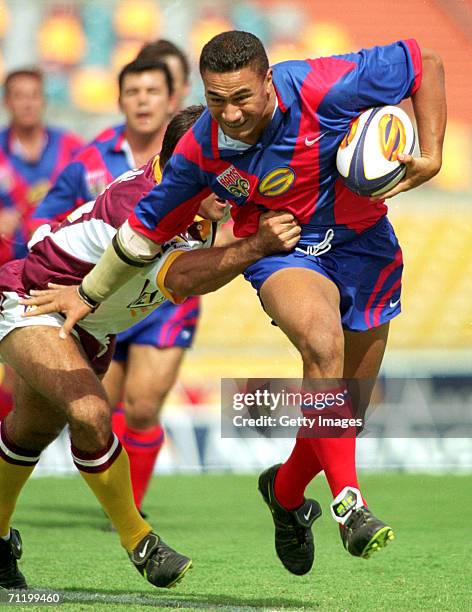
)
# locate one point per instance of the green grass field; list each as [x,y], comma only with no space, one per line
[220,521]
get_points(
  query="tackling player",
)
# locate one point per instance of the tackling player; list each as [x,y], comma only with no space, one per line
[268,142]
[148,355]
[57,382]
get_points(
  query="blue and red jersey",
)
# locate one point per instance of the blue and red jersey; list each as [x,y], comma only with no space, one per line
[292,166]
[82,180]
[23,183]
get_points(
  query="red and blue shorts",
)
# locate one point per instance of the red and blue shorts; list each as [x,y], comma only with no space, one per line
[366,269]
[167,326]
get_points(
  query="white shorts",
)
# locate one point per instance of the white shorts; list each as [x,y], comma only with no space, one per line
[11,315]
[11,318]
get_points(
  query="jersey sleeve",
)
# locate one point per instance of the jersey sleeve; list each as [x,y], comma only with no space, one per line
[68,192]
[158,270]
[170,207]
[373,77]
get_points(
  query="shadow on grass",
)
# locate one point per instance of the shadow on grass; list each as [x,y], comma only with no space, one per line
[93,511]
[163,600]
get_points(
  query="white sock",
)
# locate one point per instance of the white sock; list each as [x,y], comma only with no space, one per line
[6,537]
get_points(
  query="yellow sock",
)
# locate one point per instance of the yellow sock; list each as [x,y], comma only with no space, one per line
[16,466]
[112,488]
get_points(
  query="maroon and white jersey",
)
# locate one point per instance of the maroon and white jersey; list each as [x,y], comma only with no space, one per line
[65,253]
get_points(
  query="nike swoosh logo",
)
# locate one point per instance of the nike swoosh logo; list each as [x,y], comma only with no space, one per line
[308,514]
[393,304]
[310,143]
[142,554]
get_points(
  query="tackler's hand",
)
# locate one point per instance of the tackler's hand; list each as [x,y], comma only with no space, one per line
[278,231]
[58,298]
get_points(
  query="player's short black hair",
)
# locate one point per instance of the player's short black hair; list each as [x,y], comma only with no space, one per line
[180,124]
[162,48]
[230,51]
[142,65]
[32,72]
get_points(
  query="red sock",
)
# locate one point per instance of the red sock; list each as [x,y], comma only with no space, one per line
[118,422]
[142,446]
[294,475]
[337,454]
[338,458]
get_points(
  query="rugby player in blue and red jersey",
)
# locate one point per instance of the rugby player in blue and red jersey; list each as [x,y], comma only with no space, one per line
[32,156]
[268,141]
[148,356]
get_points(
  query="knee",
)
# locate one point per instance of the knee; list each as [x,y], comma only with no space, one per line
[322,350]
[142,412]
[90,427]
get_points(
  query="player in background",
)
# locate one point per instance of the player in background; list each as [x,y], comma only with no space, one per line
[31,156]
[176,61]
[269,141]
[58,382]
[148,355]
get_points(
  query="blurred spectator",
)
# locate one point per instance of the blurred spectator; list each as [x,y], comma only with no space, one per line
[177,63]
[31,156]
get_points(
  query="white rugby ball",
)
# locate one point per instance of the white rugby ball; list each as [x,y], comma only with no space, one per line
[367,156]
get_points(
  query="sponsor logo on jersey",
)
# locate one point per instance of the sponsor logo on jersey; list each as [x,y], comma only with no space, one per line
[276,182]
[392,136]
[231,180]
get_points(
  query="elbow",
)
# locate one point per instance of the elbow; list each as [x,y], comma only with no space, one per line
[432,60]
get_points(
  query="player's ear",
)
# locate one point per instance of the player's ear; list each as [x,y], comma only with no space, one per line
[172,104]
[268,80]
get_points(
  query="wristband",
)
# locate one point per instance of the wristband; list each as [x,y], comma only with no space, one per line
[87,299]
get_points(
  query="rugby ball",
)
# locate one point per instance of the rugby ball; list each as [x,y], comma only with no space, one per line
[367,158]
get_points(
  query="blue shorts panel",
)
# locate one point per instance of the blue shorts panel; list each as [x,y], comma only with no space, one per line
[367,271]
[167,326]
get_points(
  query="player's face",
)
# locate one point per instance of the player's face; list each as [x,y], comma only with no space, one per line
[24,101]
[213,208]
[145,102]
[242,102]
[181,86]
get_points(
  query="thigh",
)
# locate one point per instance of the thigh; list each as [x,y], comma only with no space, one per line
[364,351]
[305,305]
[298,298]
[54,368]
[34,421]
